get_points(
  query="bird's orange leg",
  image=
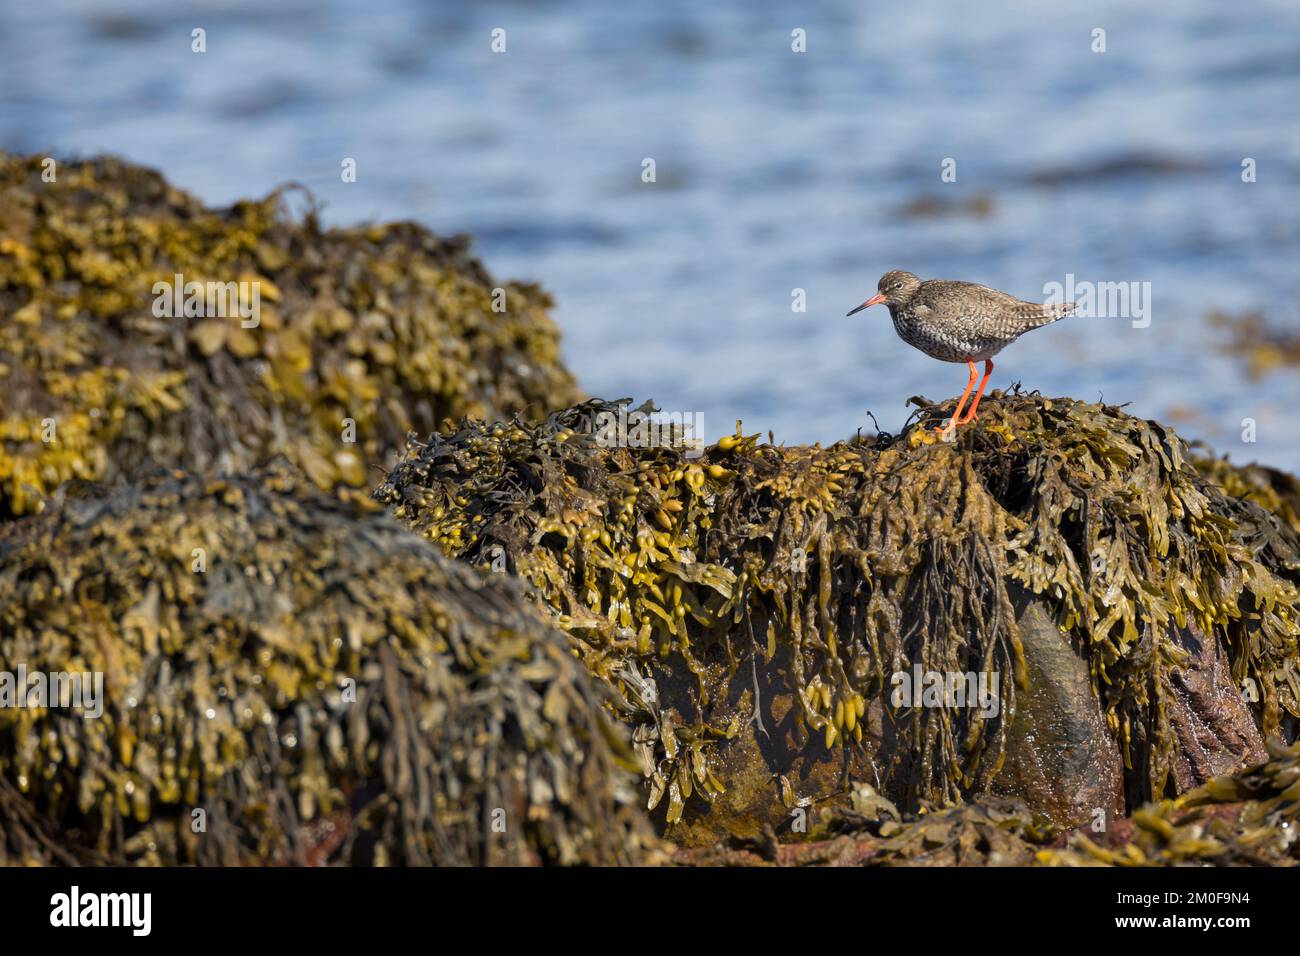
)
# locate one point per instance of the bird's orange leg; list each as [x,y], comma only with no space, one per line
[988,370]
[956,415]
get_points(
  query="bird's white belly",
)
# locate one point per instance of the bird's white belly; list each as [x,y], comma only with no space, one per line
[947,345]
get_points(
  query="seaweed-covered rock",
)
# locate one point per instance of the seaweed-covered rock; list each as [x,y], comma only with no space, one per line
[1246,819]
[359,336]
[1273,490]
[1263,344]
[995,832]
[1249,818]
[287,679]
[755,608]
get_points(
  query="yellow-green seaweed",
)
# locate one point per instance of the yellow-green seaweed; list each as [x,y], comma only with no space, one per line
[363,335]
[319,683]
[1273,490]
[870,556]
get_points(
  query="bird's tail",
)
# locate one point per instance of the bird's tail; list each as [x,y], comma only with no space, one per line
[1036,314]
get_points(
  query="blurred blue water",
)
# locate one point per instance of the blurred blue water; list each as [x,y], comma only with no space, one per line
[775,171]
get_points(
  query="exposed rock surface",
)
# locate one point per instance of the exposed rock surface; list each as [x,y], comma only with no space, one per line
[1058,749]
[1210,715]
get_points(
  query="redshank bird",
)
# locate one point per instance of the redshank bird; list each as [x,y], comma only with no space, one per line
[959,322]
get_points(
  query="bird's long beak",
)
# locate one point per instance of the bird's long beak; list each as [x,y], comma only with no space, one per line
[874,300]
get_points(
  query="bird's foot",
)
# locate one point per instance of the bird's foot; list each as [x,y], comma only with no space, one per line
[947,432]
[968,418]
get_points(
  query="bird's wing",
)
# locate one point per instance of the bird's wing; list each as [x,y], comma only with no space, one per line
[970,291]
[1035,314]
[986,300]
